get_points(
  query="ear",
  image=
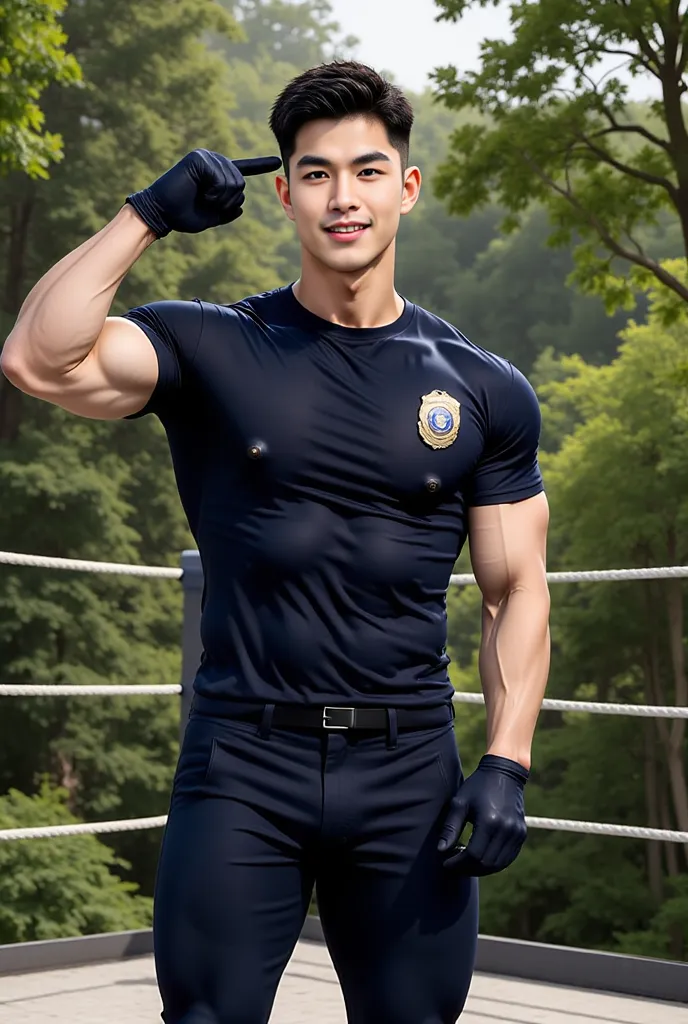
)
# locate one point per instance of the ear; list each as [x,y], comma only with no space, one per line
[282,186]
[412,183]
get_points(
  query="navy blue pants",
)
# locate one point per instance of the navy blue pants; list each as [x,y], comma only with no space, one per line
[260,818]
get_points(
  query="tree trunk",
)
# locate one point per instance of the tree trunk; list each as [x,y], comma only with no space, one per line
[672,99]
[11,403]
[675,931]
[15,275]
[670,849]
[677,731]
[11,399]
[655,694]
[652,801]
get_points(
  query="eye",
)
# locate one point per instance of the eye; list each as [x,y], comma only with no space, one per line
[371,171]
[311,174]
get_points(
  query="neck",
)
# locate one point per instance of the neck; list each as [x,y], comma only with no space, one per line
[365,298]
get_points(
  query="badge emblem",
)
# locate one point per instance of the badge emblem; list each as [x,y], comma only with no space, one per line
[439,419]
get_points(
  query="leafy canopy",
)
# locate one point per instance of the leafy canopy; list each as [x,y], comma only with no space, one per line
[558,129]
[32,56]
[54,888]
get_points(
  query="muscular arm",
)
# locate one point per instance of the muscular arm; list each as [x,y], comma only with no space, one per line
[65,349]
[508,553]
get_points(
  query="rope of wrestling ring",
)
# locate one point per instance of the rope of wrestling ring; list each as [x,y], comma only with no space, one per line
[460,579]
[138,824]
[457,579]
[130,690]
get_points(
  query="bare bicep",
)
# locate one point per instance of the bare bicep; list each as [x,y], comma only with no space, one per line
[508,545]
[116,378]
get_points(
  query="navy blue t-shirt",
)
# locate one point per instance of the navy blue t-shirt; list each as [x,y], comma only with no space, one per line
[327,488]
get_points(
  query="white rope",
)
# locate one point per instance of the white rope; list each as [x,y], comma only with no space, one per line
[130,690]
[591,707]
[84,565]
[599,828]
[82,829]
[670,572]
[69,690]
[137,824]
[460,579]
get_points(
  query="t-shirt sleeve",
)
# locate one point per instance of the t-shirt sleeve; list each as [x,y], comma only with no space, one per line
[174,329]
[508,469]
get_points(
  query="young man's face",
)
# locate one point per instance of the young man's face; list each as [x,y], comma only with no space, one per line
[345,174]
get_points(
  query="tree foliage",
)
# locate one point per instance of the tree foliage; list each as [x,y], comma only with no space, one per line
[558,130]
[615,470]
[56,888]
[32,56]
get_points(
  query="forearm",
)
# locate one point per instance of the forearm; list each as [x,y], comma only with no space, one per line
[64,314]
[514,666]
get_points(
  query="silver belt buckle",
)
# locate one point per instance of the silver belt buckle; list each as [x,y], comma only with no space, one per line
[347,714]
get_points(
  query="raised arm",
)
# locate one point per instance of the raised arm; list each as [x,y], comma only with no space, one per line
[508,553]
[64,348]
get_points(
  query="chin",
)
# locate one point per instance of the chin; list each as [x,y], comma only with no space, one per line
[351,262]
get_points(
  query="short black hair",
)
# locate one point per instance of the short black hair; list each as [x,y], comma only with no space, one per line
[340,89]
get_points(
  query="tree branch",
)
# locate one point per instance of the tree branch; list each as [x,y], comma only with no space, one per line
[639,36]
[639,259]
[638,246]
[632,172]
[594,47]
[636,129]
[625,53]
[683,58]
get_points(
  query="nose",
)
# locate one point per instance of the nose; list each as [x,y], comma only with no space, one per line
[343,196]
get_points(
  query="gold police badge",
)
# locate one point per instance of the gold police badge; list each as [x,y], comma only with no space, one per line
[439,419]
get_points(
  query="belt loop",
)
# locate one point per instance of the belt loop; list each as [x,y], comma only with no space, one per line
[391,729]
[266,721]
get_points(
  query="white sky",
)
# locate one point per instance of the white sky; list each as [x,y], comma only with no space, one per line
[403,37]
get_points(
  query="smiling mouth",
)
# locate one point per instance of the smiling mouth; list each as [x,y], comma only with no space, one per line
[348,230]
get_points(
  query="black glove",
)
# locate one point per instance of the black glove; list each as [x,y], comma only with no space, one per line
[202,191]
[491,799]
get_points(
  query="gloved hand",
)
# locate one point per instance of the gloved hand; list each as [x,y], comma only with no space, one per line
[202,191]
[491,799]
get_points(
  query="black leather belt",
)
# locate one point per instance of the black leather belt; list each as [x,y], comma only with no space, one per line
[376,719]
[293,716]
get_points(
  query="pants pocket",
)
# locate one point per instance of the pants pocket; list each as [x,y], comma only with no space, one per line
[211,759]
[449,765]
[195,758]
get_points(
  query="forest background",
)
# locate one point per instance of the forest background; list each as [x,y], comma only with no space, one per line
[122,89]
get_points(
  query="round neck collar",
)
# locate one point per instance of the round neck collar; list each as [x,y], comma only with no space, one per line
[354,335]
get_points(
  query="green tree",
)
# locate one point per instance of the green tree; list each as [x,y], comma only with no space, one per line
[55,888]
[558,129]
[32,56]
[618,484]
[296,35]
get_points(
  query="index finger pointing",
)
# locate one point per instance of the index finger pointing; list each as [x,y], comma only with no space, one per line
[257,165]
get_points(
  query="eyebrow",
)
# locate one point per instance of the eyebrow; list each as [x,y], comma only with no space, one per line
[311,160]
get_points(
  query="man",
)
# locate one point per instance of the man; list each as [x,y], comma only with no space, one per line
[334,446]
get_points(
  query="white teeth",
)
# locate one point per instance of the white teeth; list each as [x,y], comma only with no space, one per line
[349,228]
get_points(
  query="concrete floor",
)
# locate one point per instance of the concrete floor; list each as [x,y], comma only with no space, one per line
[125,993]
